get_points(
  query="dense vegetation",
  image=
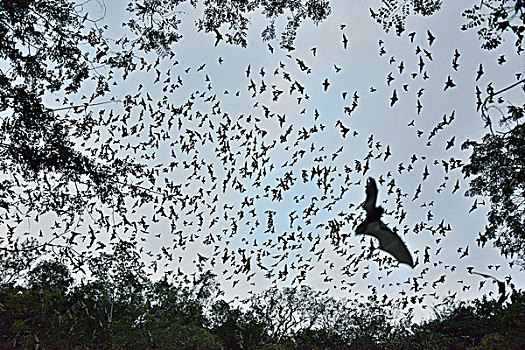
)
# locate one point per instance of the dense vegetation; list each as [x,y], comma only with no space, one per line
[120,308]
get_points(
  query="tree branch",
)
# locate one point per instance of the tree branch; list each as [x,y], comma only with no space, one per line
[484,108]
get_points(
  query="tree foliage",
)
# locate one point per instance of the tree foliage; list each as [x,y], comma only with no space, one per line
[497,164]
[156,23]
[48,53]
[492,18]
[129,311]
[394,13]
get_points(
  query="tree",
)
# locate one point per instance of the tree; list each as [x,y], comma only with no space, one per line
[122,310]
[284,310]
[165,314]
[471,325]
[394,13]
[45,164]
[497,161]
[492,17]
[42,44]
[498,166]
[495,17]
[13,262]
[156,22]
[50,274]
[39,315]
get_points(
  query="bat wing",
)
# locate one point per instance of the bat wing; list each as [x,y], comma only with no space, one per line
[501,287]
[484,275]
[388,241]
[371,195]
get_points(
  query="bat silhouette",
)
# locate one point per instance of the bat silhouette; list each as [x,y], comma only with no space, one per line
[389,241]
[501,287]
[218,36]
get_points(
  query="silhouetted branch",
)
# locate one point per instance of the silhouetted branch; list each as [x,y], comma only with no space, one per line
[490,98]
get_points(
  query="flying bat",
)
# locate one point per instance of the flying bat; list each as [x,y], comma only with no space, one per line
[501,287]
[389,241]
[449,83]
[218,36]
[480,72]
[326,84]
[345,41]
[394,98]
[430,38]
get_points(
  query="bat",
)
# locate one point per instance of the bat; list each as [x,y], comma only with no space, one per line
[389,241]
[345,41]
[218,36]
[394,98]
[430,38]
[501,287]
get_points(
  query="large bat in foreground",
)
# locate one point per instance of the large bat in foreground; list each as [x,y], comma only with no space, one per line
[389,241]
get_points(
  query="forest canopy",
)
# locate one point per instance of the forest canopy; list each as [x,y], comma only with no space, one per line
[122,310]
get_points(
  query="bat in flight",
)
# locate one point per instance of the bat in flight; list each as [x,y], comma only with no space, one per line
[389,241]
[501,287]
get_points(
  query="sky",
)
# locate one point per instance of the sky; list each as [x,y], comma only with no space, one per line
[235,222]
